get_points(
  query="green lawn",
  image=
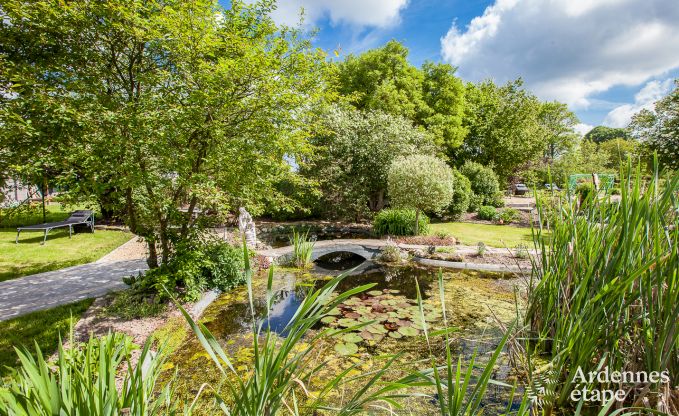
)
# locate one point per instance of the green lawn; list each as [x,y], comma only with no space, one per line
[42,326]
[491,235]
[29,257]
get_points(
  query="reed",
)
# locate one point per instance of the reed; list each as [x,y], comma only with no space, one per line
[604,293]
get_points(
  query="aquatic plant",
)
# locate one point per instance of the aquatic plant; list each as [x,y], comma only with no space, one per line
[377,314]
[390,253]
[604,292]
[97,378]
[281,374]
[302,249]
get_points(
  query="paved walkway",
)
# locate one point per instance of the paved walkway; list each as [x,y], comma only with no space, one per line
[47,290]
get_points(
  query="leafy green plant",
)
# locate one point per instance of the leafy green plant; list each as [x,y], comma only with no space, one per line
[399,222]
[615,264]
[481,249]
[508,215]
[485,184]
[97,378]
[521,251]
[302,249]
[488,213]
[462,192]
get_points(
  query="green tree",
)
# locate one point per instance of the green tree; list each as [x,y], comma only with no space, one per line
[658,129]
[600,134]
[424,183]
[461,195]
[382,79]
[618,151]
[485,186]
[505,129]
[168,127]
[558,123]
[352,159]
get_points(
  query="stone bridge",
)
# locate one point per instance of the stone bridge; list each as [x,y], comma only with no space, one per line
[368,249]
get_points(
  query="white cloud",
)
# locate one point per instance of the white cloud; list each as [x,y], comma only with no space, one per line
[568,50]
[644,99]
[376,13]
[582,128]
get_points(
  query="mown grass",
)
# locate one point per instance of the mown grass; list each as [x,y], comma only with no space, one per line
[491,235]
[29,257]
[42,326]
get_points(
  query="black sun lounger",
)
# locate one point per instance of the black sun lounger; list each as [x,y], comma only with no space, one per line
[85,217]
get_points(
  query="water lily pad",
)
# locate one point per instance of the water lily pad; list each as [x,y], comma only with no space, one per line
[376,329]
[352,337]
[374,292]
[346,322]
[395,335]
[328,319]
[352,315]
[346,348]
[334,312]
[408,331]
[367,336]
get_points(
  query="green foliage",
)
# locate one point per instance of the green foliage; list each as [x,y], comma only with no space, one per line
[399,222]
[351,161]
[150,105]
[196,266]
[44,328]
[601,134]
[130,304]
[462,193]
[505,125]
[608,256]
[382,79]
[85,381]
[485,185]
[584,190]
[488,213]
[508,215]
[658,129]
[558,122]
[424,183]
[481,249]
[585,158]
[303,249]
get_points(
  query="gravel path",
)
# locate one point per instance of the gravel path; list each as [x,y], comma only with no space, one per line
[47,290]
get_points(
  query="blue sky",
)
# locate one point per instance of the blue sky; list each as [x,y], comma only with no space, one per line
[606,59]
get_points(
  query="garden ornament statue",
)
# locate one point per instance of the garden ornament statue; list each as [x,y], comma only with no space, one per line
[247,228]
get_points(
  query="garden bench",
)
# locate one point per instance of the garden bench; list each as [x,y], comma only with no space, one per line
[80,217]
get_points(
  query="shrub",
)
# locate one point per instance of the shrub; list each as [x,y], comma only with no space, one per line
[584,190]
[399,222]
[521,251]
[195,266]
[390,253]
[475,202]
[484,182]
[487,212]
[462,192]
[508,215]
[481,249]
[424,183]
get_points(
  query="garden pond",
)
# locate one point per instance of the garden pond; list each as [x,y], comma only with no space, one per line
[478,305]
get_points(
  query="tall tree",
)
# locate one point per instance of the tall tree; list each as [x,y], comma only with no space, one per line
[600,134]
[659,128]
[558,123]
[382,79]
[179,108]
[504,126]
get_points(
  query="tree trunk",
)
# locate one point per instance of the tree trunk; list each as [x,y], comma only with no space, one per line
[417,222]
[152,259]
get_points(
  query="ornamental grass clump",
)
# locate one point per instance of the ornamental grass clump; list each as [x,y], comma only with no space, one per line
[605,290]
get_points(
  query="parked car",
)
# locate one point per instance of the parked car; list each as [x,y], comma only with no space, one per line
[552,187]
[520,189]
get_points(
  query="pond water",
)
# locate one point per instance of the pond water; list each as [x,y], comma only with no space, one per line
[475,302]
